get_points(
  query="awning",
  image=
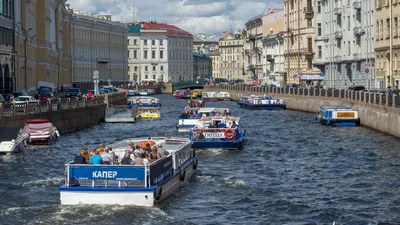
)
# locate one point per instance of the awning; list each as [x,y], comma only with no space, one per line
[311,77]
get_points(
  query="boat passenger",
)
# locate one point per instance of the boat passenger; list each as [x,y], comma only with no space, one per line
[96,159]
[234,125]
[126,160]
[162,150]
[225,113]
[154,153]
[131,147]
[106,156]
[79,159]
[138,158]
[221,125]
[85,153]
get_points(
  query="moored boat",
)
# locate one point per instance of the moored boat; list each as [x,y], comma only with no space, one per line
[217,133]
[261,102]
[141,185]
[40,131]
[11,142]
[146,113]
[337,115]
[144,101]
[190,117]
[216,96]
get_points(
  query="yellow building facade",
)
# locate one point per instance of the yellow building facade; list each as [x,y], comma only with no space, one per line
[387,43]
[231,59]
[299,41]
[98,43]
[42,44]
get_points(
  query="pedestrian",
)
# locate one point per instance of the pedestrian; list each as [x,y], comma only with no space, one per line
[389,90]
[396,90]
[62,89]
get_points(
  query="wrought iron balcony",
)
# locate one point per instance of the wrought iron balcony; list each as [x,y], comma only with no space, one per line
[357,4]
[308,51]
[309,12]
[358,31]
[337,11]
[338,35]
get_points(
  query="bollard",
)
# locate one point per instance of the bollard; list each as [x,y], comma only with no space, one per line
[387,100]
[394,96]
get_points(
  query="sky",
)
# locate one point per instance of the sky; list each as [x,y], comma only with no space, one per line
[194,16]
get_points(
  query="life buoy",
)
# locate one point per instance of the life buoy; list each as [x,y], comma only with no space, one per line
[153,101]
[182,175]
[229,134]
[138,101]
[195,164]
[157,195]
[278,101]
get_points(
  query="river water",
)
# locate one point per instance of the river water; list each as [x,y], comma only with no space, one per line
[291,171]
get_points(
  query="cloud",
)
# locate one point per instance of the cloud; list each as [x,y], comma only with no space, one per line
[194,16]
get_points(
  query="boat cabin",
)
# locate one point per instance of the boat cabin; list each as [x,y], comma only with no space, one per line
[253,99]
[217,122]
[337,115]
[198,113]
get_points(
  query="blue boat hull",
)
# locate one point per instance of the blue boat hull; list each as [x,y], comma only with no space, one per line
[146,105]
[218,144]
[262,106]
[341,123]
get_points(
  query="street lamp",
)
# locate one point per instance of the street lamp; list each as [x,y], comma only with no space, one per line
[96,82]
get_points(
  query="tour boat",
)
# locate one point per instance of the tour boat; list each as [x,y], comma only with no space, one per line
[40,131]
[186,94]
[337,115]
[11,142]
[216,96]
[261,102]
[141,185]
[217,133]
[133,93]
[187,121]
[146,113]
[144,101]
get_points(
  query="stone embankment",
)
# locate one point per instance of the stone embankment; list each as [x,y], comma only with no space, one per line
[377,111]
[68,114]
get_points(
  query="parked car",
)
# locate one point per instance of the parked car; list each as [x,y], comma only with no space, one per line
[21,93]
[8,98]
[46,96]
[356,88]
[21,100]
[74,92]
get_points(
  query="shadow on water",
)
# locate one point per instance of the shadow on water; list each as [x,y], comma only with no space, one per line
[291,171]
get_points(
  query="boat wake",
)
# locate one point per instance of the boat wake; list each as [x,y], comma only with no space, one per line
[55,181]
[226,181]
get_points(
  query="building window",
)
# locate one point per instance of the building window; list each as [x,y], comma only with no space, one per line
[319,31]
[153,42]
[349,48]
[145,42]
[309,22]
[387,28]
[154,68]
[358,40]
[319,52]
[161,54]
[309,63]
[153,54]
[135,41]
[348,22]
[319,7]
[339,44]
[339,21]
[145,54]
[146,76]
[162,68]
[161,42]
[146,68]
[377,31]
[359,66]
[135,68]
[154,77]
[135,54]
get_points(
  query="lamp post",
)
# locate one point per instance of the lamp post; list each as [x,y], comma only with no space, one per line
[96,82]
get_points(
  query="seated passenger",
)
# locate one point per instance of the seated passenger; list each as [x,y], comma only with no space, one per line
[96,159]
[85,153]
[225,113]
[234,125]
[126,160]
[162,151]
[154,153]
[138,159]
[131,146]
[79,159]
[106,157]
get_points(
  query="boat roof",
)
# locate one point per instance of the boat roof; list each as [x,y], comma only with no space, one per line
[335,107]
[38,121]
[169,144]
[208,110]
[219,118]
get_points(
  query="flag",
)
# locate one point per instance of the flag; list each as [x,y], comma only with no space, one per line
[255,81]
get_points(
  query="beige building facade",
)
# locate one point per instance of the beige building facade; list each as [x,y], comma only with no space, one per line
[42,44]
[7,77]
[216,64]
[134,53]
[387,43]
[231,57]
[299,42]
[98,43]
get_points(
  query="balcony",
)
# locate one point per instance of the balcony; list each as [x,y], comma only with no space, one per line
[338,58]
[309,12]
[357,4]
[103,61]
[338,35]
[358,31]
[251,67]
[337,11]
[322,38]
[308,51]
[270,58]
[357,56]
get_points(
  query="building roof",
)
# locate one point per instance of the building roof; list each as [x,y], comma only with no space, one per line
[134,28]
[199,55]
[171,30]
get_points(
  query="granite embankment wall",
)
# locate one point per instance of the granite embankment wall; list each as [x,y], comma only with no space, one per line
[67,115]
[377,111]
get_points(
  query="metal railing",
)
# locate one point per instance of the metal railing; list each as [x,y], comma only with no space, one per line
[364,97]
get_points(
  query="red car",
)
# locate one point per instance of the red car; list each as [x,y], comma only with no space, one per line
[45,97]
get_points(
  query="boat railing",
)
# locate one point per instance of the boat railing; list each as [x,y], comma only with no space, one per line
[160,170]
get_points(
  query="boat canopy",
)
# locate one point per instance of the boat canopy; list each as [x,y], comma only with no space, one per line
[335,108]
[38,127]
[209,110]
[206,121]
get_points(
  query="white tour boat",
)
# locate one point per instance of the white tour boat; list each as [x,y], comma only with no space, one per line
[216,96]
[187,122]
[142,185]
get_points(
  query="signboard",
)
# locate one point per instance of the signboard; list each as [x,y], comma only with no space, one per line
[124,173]
[345,114]
[160,167]
[214,135]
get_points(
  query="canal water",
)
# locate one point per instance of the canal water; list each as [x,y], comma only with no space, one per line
[291,171]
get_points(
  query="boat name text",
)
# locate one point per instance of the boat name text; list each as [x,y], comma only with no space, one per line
[104,174]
